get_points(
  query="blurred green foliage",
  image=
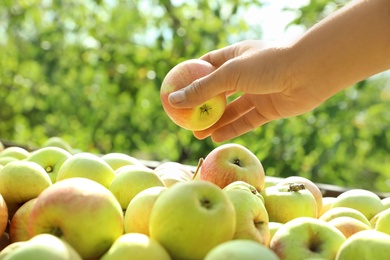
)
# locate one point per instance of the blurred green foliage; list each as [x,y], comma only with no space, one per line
[90,72]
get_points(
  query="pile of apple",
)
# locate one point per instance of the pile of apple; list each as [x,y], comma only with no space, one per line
[55,204]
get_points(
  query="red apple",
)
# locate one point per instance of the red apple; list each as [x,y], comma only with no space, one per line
[197,118]
[232,162]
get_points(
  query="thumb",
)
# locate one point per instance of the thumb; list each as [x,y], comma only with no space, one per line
[203,89]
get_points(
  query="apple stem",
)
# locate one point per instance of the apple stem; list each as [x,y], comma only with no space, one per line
[198,168]
[296,187]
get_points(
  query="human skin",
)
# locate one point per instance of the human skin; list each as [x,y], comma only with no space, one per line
[285,80]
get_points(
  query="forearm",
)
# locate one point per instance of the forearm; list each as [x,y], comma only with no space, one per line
[343,49]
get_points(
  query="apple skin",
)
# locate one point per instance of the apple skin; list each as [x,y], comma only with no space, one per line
[21,181]
[82,212]
[348,225]
[137,215]
[327,203]
[307,238]
[187,171]
[7,159]
[283,205]
[3,215]
[311,186]
[197,118]
[242,185]
[232,162]
[18,226]
[136,246]
[241,249]
[386,202]
[87,165]
[251,216]
[273,227]
[381,221]
[131,180]
[16,152]
[344,212]
[190,213]
[50,158]
[42,246]
[117,160]
[367,244]
[365,201]
[56,141]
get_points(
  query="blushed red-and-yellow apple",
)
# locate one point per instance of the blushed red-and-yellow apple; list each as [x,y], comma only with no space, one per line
[348,225]
[307,238]
[21,181]
[241,249]
[3,215]
[138,211]
[232,162]
[87,165]
[367,244]
[286,202]
[199,117]
[130,180]
[188,214]
[251,216]
[344,212]
[309,185]
[136,246]
[42,246]
[50,158]
[82,212]
[365,201]
[18,226]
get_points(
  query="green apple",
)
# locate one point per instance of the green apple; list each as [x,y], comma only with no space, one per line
[136,246]
[16,152]
[199,117]
[381,221]
[21,181]
[43,246]
[241,249]
[365,201]
[307,238]
[130,180]
[50,158]
[18,225]
[191,218]
[87,165]
[344,212]
[327,203]
[286,202]
[138,211]
[3,214]
[251,216]
[386,202]
[367,244]
[242,185]
[7,159]
[117,160]
[59,142]
[348,225]
[82,212]
[273,227]
[232,162]
[309,185]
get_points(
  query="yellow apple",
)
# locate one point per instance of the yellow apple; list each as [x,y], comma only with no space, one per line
[232,162]
[130,180]
[136,246]
[344,212]
[273,227]
[138,211]
[327,203]
[381,221]
[191,218]
[16,152]
[348,225]
[117,160]
[7,159]
[59,142]
[197,118]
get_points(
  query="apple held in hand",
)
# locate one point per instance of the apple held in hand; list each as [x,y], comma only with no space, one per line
[307,238]
[191,218]
[197,118]
[232,162]
[80,211]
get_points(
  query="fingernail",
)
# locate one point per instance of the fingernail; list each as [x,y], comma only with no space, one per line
[176,97]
